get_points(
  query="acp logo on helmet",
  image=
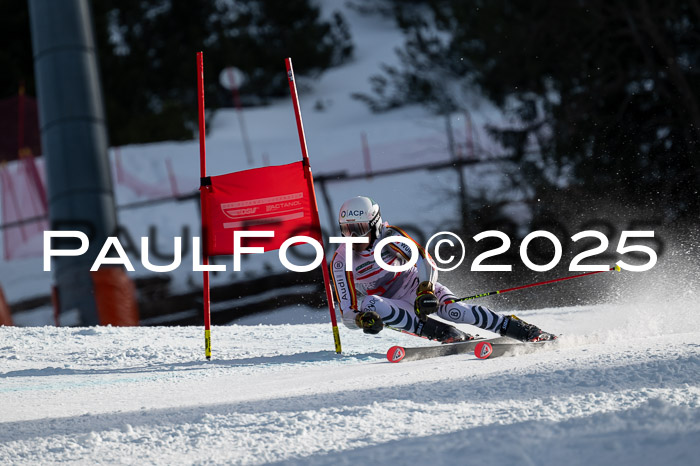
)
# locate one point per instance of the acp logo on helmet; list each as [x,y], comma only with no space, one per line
[355,213]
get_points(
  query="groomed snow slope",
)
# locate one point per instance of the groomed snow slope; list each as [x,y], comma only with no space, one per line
[628,394]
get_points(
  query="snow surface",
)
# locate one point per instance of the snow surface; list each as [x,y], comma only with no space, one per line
[626,394]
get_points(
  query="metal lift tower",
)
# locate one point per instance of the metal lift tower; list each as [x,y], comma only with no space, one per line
[74,139]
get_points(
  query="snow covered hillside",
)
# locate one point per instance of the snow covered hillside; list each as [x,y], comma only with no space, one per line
[621,388]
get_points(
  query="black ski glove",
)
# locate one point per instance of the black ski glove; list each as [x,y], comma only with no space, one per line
[426,302]
[369,322]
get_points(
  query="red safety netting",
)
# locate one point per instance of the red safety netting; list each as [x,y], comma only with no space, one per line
[24,208]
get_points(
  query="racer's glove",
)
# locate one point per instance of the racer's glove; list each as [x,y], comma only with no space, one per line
[369,322]
[426,302]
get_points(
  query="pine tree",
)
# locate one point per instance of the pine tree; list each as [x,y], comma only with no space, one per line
[146,52]
[609,89]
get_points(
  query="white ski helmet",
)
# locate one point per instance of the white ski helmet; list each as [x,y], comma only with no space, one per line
[359,216]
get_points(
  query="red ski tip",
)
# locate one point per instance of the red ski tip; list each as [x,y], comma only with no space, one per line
[483,350]
[395,354]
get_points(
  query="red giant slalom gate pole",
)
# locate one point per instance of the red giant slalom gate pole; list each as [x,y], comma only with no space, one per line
[203,186]
[314,205]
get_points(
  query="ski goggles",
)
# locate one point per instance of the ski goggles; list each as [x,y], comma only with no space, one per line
[354,229]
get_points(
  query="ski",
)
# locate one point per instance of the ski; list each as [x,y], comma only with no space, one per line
[494,349]
[402,353]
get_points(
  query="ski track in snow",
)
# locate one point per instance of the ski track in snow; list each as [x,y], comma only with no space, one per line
[279,394]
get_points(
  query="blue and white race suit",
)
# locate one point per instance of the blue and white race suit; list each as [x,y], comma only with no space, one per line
[369,287]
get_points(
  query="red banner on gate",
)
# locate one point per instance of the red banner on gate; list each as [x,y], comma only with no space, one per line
[262,199]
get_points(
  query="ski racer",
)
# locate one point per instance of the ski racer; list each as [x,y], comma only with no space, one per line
[371,297]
